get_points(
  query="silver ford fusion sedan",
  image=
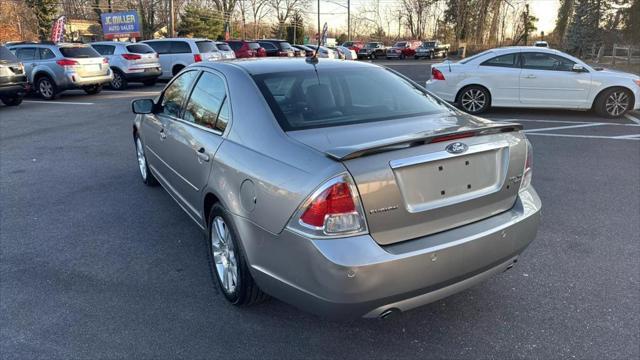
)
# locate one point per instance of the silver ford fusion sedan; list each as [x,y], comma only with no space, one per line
[342,188]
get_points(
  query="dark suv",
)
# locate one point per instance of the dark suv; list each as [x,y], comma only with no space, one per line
[13,81]
[277,47]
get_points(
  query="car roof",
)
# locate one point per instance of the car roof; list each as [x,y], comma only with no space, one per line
[178,39]
[257,66]
[112,43]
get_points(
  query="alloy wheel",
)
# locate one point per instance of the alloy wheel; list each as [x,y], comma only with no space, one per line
[473,100]
[142,161]
[46,88]
[224,255]
[617,103]
[116,83]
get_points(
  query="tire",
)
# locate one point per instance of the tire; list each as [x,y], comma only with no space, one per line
[46,87]
[149,82]
[227,261]
[431,56]
[402,56]
[119,82]
[474,99]
[12,101]
[93,89]
[146,175]
[373,56]
[614,103]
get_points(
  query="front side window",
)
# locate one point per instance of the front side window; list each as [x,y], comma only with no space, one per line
[174,95]
[544,61]
[476,56]
[285,46]
[140,49]
[180,47]
[26,54]
[46,53]
[268,46]
[508,60]
[206,100]
[334,97]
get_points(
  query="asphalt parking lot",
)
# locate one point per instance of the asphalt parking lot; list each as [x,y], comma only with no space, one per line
[93,264]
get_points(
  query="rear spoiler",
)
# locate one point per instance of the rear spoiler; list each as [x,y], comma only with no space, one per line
[417,139]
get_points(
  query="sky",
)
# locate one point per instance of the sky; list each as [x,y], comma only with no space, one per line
[336,15]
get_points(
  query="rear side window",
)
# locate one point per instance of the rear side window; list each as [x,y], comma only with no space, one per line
[79,52]
[180,47]
[268,46]
[7,55]
[206,100]
[476,56]
[161,47]
[285,45]
[254,46]
[173,97]
[140,49]
[223,47]
[26,53]
[46,53]
[335,97]
[508,60]
[104,49]
[206,46]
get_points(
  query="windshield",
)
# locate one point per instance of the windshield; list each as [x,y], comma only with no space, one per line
[223,47]
[475,56]
[429,44]
[334,97]
[371,45]
[254,46]
[140,49]
[285,45]
[400,44]
[347,44]
[206,46]
[79,52]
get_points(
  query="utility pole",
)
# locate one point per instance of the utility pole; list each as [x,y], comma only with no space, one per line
[349,20]
[319,35]
[172,20]
[526,24]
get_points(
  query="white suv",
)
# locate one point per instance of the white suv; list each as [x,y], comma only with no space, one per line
[177,53]
[130,62]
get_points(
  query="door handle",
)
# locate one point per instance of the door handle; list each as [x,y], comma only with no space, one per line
[163,135]
[530,76]
[202,155]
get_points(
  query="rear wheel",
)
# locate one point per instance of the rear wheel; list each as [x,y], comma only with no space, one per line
[119,82]
[47,88]
[373,56]
[147,177]
[614,103]
[12,101]
[92,89]
[474,99]
[227,261]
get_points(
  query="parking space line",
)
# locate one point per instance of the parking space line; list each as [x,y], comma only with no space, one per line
[133,92]
[564,127]
[633,136]
[58,102]
[588,136]
[632,118]
[543,121]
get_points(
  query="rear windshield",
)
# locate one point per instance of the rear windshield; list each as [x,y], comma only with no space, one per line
[333,97]
[285,45]
[6,55]
[140,49]
[429,44]
[223,47]
[254,46]
[206,46]
[371,45]
[79,52]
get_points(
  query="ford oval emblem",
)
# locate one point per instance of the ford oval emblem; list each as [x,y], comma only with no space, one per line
[457,148]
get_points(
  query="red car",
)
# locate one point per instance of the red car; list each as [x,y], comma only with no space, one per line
[246,49]
[353,45]
[403,49]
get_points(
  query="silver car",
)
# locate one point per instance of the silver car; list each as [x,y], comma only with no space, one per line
[318,186]
[130,62]
[225,50]
[53,68]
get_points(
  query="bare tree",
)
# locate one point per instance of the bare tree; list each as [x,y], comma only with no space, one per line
[283,10]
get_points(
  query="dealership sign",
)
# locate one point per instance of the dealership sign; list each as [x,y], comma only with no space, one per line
[121,24]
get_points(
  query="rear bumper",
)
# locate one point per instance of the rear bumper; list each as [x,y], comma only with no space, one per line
[354,277]
[143,75]
[441,89]
[13,86]
[72,79]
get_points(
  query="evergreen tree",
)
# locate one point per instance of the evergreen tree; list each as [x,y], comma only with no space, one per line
[296,24]
[44,11]
[198,21]
[584,29]
[562,20]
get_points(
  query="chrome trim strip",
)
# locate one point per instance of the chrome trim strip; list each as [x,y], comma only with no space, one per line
[441,155]
[172,169]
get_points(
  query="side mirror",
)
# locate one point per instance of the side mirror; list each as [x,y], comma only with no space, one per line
[142,106]
[578,68]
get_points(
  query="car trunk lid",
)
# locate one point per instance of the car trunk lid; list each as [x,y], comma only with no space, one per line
[416,182]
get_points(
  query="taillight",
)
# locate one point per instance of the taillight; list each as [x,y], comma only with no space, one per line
[332,210]
[283,53]
[66,62]
[528,164]
[105,60]
[451,137]
[436,74]
[132,56]
[197,57]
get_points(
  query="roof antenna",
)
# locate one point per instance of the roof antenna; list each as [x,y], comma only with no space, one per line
[313,59]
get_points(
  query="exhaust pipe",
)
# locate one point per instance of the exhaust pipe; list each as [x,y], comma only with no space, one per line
[388,313]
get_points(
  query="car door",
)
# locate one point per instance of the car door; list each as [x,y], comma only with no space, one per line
[547,80]
[194,138]
[501,75]
[155,127]
[28,56]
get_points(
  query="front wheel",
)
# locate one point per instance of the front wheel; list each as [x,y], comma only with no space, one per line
[227,261]
[474,99]
[92,89]
[12,101]
[373,56]
[147,177]
[614,103]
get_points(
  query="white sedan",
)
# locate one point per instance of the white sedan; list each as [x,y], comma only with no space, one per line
[347,53]
[533,77]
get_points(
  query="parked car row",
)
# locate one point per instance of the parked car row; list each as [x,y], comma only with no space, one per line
[400,50]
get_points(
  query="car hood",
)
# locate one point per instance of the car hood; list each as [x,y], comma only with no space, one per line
[341,141]
[616,73]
